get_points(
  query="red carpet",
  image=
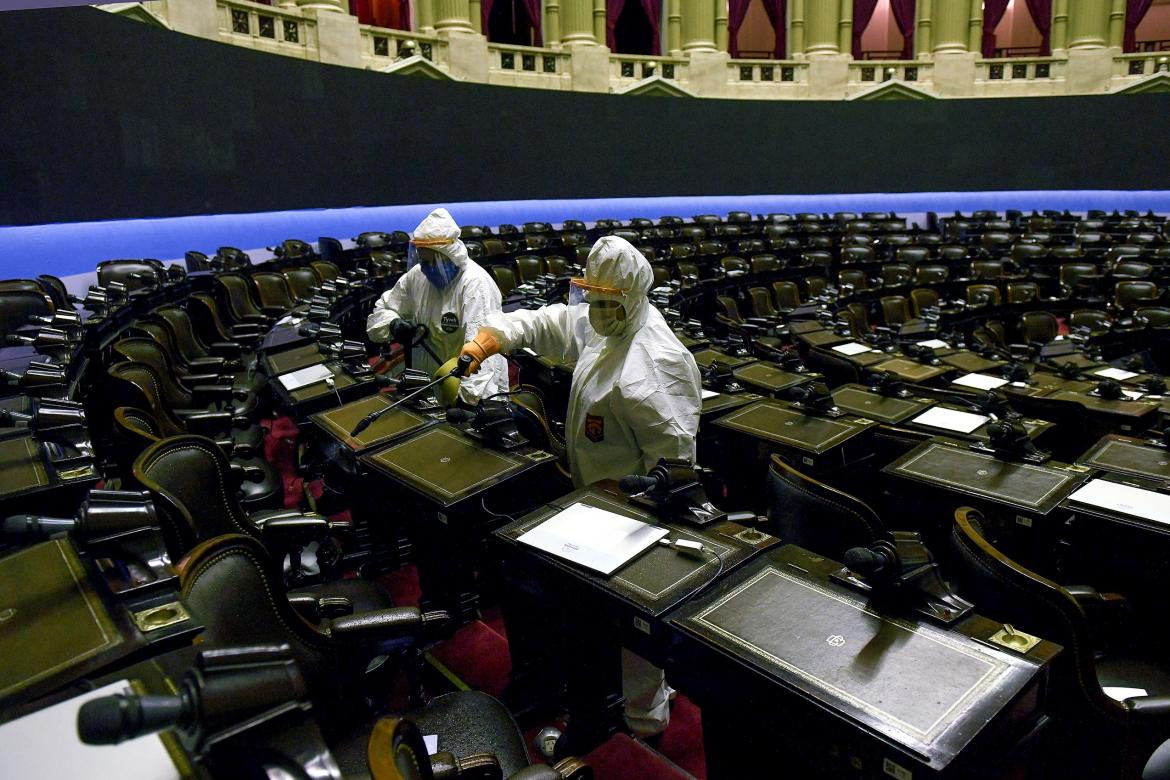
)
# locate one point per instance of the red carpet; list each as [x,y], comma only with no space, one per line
[478,656]
[625,758]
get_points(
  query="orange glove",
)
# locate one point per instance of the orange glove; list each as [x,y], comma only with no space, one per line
[483,346]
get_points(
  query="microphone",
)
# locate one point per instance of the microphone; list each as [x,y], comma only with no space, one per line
[634,484]
[484,414]
[114,719]
[35,526]
[869,562]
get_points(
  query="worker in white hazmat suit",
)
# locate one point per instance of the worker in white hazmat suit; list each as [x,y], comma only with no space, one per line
[635,398]
[452,296]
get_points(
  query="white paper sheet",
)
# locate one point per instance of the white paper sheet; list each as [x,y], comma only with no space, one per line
[1119,693]
[593,537]
[1132,395]
[950,419]
[980,381]
[934,344]
[852,348]
[705,394]
[309,375]
[45,744]
[1126,499]
[1115,373]
[432,743]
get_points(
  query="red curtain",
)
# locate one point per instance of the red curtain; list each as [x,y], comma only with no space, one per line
[389,14]
[993,11]
[736,13]
[613,9]
[485,11]
[533,9]
[1135,11]
[777,11]
[904,13]
[653,9]
[363,10]
[1041,11]
[862,13]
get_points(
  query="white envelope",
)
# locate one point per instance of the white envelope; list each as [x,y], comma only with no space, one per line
[1124,499]
[852,348]
[934,344]
[950,419]
[1115,373]
[303,377]
[593,537]
[980,381]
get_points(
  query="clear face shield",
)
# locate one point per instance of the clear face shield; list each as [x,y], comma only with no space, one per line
[439,269]
[607,310]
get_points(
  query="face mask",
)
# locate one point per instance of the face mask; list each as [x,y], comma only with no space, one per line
[608,318]
[440,274]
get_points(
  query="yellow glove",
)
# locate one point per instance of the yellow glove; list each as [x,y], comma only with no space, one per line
[447,392]
[485,344]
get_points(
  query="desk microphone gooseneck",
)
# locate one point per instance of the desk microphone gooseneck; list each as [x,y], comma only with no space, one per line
[458,371]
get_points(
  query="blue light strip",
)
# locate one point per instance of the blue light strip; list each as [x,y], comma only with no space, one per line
[69,248]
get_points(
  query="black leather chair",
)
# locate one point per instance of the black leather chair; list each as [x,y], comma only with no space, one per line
[1095,320]
[273,293]
[237,298]
[302,282]
[195,352]
[1038,327]
[504,277]
[895,310]
[923,298]
[208,392]
[334,654]
[1021,292]
[787,295]
[983,294]
[1096,736]
[813,515]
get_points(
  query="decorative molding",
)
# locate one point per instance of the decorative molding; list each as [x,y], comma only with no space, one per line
[1155,82]
[894,89]
[136,11]
[657,86]
[417,65]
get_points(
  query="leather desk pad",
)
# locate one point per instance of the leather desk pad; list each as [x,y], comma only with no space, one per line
[823,338]
[341,379]
[923,686]
[22,466]
[971,362]
[444,464]
[705,357]
[769,377]
[775,422]
[859,400]
[659,578]
[392,425]
[725,402]
[1023,485]
[52,619]
[293,359]
[1128,456]
[911,370]
[1135,409]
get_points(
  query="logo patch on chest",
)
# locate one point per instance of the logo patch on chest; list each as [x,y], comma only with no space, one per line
[450,322]
[595,428]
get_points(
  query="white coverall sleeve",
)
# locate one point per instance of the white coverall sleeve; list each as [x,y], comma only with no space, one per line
[479,302]
[395,303]
[661,408]
[549,330]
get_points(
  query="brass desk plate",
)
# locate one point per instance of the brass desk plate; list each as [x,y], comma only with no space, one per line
[160,617]
[1014,640]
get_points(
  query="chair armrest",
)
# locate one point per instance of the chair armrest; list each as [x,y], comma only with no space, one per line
[245,473]
[207,423]
[207,379]
[227,350]
[384,624]
[1149,707]
[273,312]
[314,608]
[212,393]
[537,772]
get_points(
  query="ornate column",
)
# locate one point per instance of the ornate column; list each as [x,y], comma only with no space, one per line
[975,27]
[949,19]
[599,35]
[550,31]
[425,11]
[845,27]
[698,25]
[796,28]
[451,15]
[1059,25]
[820,27]
[475,14]
[923,28]
[673,26]
[320,5]
[1117,24]
[1088,24]
[721,25]
[577,21]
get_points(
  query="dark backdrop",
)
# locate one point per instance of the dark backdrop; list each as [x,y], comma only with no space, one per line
[102,117]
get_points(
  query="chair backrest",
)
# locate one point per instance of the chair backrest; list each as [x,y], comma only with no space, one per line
[735,266]
[237,294]
[911,255]
[1070,272]
[234,590]
[294,249]
[493,247]
[1132,269]
[816,285]
[855,277]
[813,515]
[895,309]
[504,277]
[528,267]
[1021,292]
[931,274]
[190,480]
[150,353]
[272,289]
[134,430]
[761,302]
[856,255]
[1153,316]
[730,308]
[135,274]
[983,294]
[923,298]
[197,261]
[1129,293]
[301,280]
[330,250]
[860,313]
[205,316]
[787,295]
[763,264]
[137,385]
[1038,327]
[1006,591]
[232,258]
[557,265]
[1094,319]
[987,269]
[894,274]
[182,329]
[16,306]
[55,288]
[325,270]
